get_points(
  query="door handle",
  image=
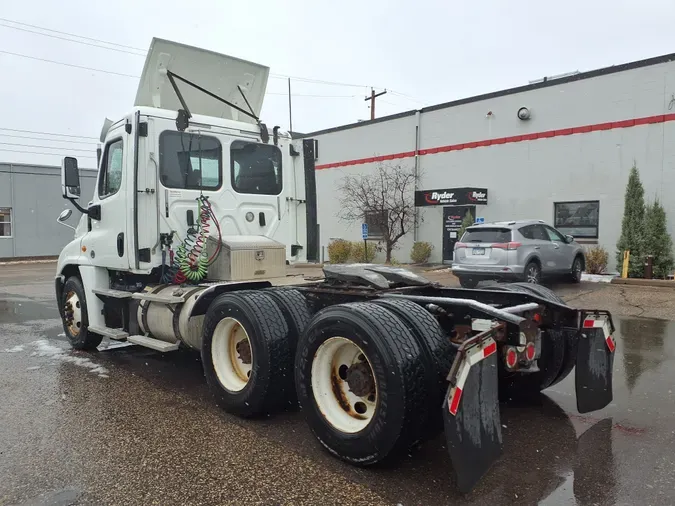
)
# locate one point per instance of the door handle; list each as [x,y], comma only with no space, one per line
[120,244]
[536,247]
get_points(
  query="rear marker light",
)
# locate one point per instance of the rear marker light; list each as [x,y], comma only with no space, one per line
[511,358]
[529,352]
[537,318]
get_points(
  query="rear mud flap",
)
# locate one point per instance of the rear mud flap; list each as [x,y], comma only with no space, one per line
[595,361]
[473,433]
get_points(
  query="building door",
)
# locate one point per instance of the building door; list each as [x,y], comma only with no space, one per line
[452,222]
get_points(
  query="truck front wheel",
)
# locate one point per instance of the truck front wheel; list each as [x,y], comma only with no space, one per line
[246,354]
[74,315]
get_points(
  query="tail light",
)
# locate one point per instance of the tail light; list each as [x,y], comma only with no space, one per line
[511,358]
[459,245]
[507,245]
[530,351]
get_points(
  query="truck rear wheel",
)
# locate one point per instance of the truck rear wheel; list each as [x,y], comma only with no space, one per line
[75,318]
[245,353]
[361,382]
[293,306]
[437,351]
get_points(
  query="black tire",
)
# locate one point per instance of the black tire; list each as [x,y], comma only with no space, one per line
[532,273]
[293,306]
[79,337]
[397,361]
[270,382]
[541,291]
[467,282]
[577,269]
[438,352]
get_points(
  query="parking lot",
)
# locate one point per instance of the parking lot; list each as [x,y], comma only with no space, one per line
[134,426]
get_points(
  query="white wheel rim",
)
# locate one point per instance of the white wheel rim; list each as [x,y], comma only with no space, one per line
[73,313]
[343,409]
[233,368]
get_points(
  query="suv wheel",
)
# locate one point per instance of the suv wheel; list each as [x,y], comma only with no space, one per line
[577,268]
[533,273]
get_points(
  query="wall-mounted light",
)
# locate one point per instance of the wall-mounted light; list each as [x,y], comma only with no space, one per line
[523,113]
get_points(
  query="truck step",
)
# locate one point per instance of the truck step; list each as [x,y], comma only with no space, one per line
[117,334]
[109,292]
[161,299]
[153,344]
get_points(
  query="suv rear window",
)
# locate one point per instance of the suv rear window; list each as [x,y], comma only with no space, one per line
[487,235]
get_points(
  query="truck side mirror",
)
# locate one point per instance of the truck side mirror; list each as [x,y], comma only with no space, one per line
[70,178]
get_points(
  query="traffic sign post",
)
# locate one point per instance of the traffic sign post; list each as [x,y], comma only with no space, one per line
[364,235]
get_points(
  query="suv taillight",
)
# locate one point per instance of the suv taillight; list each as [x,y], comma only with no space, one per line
[507,245]
[459,245]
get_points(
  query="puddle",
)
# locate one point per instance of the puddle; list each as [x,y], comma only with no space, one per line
[22,310]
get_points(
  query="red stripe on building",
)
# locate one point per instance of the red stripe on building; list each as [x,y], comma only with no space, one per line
[649,120]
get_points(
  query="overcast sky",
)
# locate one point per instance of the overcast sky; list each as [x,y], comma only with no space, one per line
[425,52]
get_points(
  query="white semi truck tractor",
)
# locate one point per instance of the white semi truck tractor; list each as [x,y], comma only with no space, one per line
[197,211]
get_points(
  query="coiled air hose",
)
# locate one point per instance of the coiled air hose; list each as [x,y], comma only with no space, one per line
[190,262]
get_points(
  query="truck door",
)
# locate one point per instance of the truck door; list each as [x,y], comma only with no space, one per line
[107,239]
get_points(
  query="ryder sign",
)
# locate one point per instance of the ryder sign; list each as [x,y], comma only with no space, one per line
[451,196]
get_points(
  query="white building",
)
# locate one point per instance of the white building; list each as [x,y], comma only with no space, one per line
[564,159]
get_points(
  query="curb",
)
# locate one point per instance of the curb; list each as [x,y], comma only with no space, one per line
[661,283]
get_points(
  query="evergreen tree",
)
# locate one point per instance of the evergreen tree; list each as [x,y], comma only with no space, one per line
[466,222]
[657,241]
[632,231]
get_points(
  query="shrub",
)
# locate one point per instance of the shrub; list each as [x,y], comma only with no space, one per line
[657,240]
[596,259]
[632,226]
[339,251]
[357,251]
[421,251]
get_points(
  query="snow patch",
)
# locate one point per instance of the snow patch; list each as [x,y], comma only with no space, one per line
[46,349]
[15,349]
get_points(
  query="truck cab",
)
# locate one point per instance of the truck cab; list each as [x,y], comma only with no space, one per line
[188,136]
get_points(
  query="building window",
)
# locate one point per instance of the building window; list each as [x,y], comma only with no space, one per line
[190,161]
[377,223]
[111,170]
[578,219]
[256,168]
[5,222]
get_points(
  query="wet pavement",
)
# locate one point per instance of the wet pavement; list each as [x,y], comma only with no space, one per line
[134,426]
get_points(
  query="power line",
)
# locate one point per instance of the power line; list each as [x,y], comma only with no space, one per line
[71,40]
[82,67]
[70,34]
[38,153]
[43,147]
[43,139]
[46,133]
[274,76]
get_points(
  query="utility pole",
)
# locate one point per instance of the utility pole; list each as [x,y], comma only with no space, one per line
[372,98]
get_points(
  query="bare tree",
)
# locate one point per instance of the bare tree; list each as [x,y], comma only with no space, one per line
[383,198]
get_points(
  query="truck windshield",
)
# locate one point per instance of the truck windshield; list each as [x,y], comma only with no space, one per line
[190,161]
[256,168]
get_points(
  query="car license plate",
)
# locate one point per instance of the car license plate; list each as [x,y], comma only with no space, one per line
[478,251]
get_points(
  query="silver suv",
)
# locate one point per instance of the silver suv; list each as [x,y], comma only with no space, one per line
[526,250]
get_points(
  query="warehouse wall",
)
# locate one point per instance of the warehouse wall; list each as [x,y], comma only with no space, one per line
[34,194]
[524,177]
